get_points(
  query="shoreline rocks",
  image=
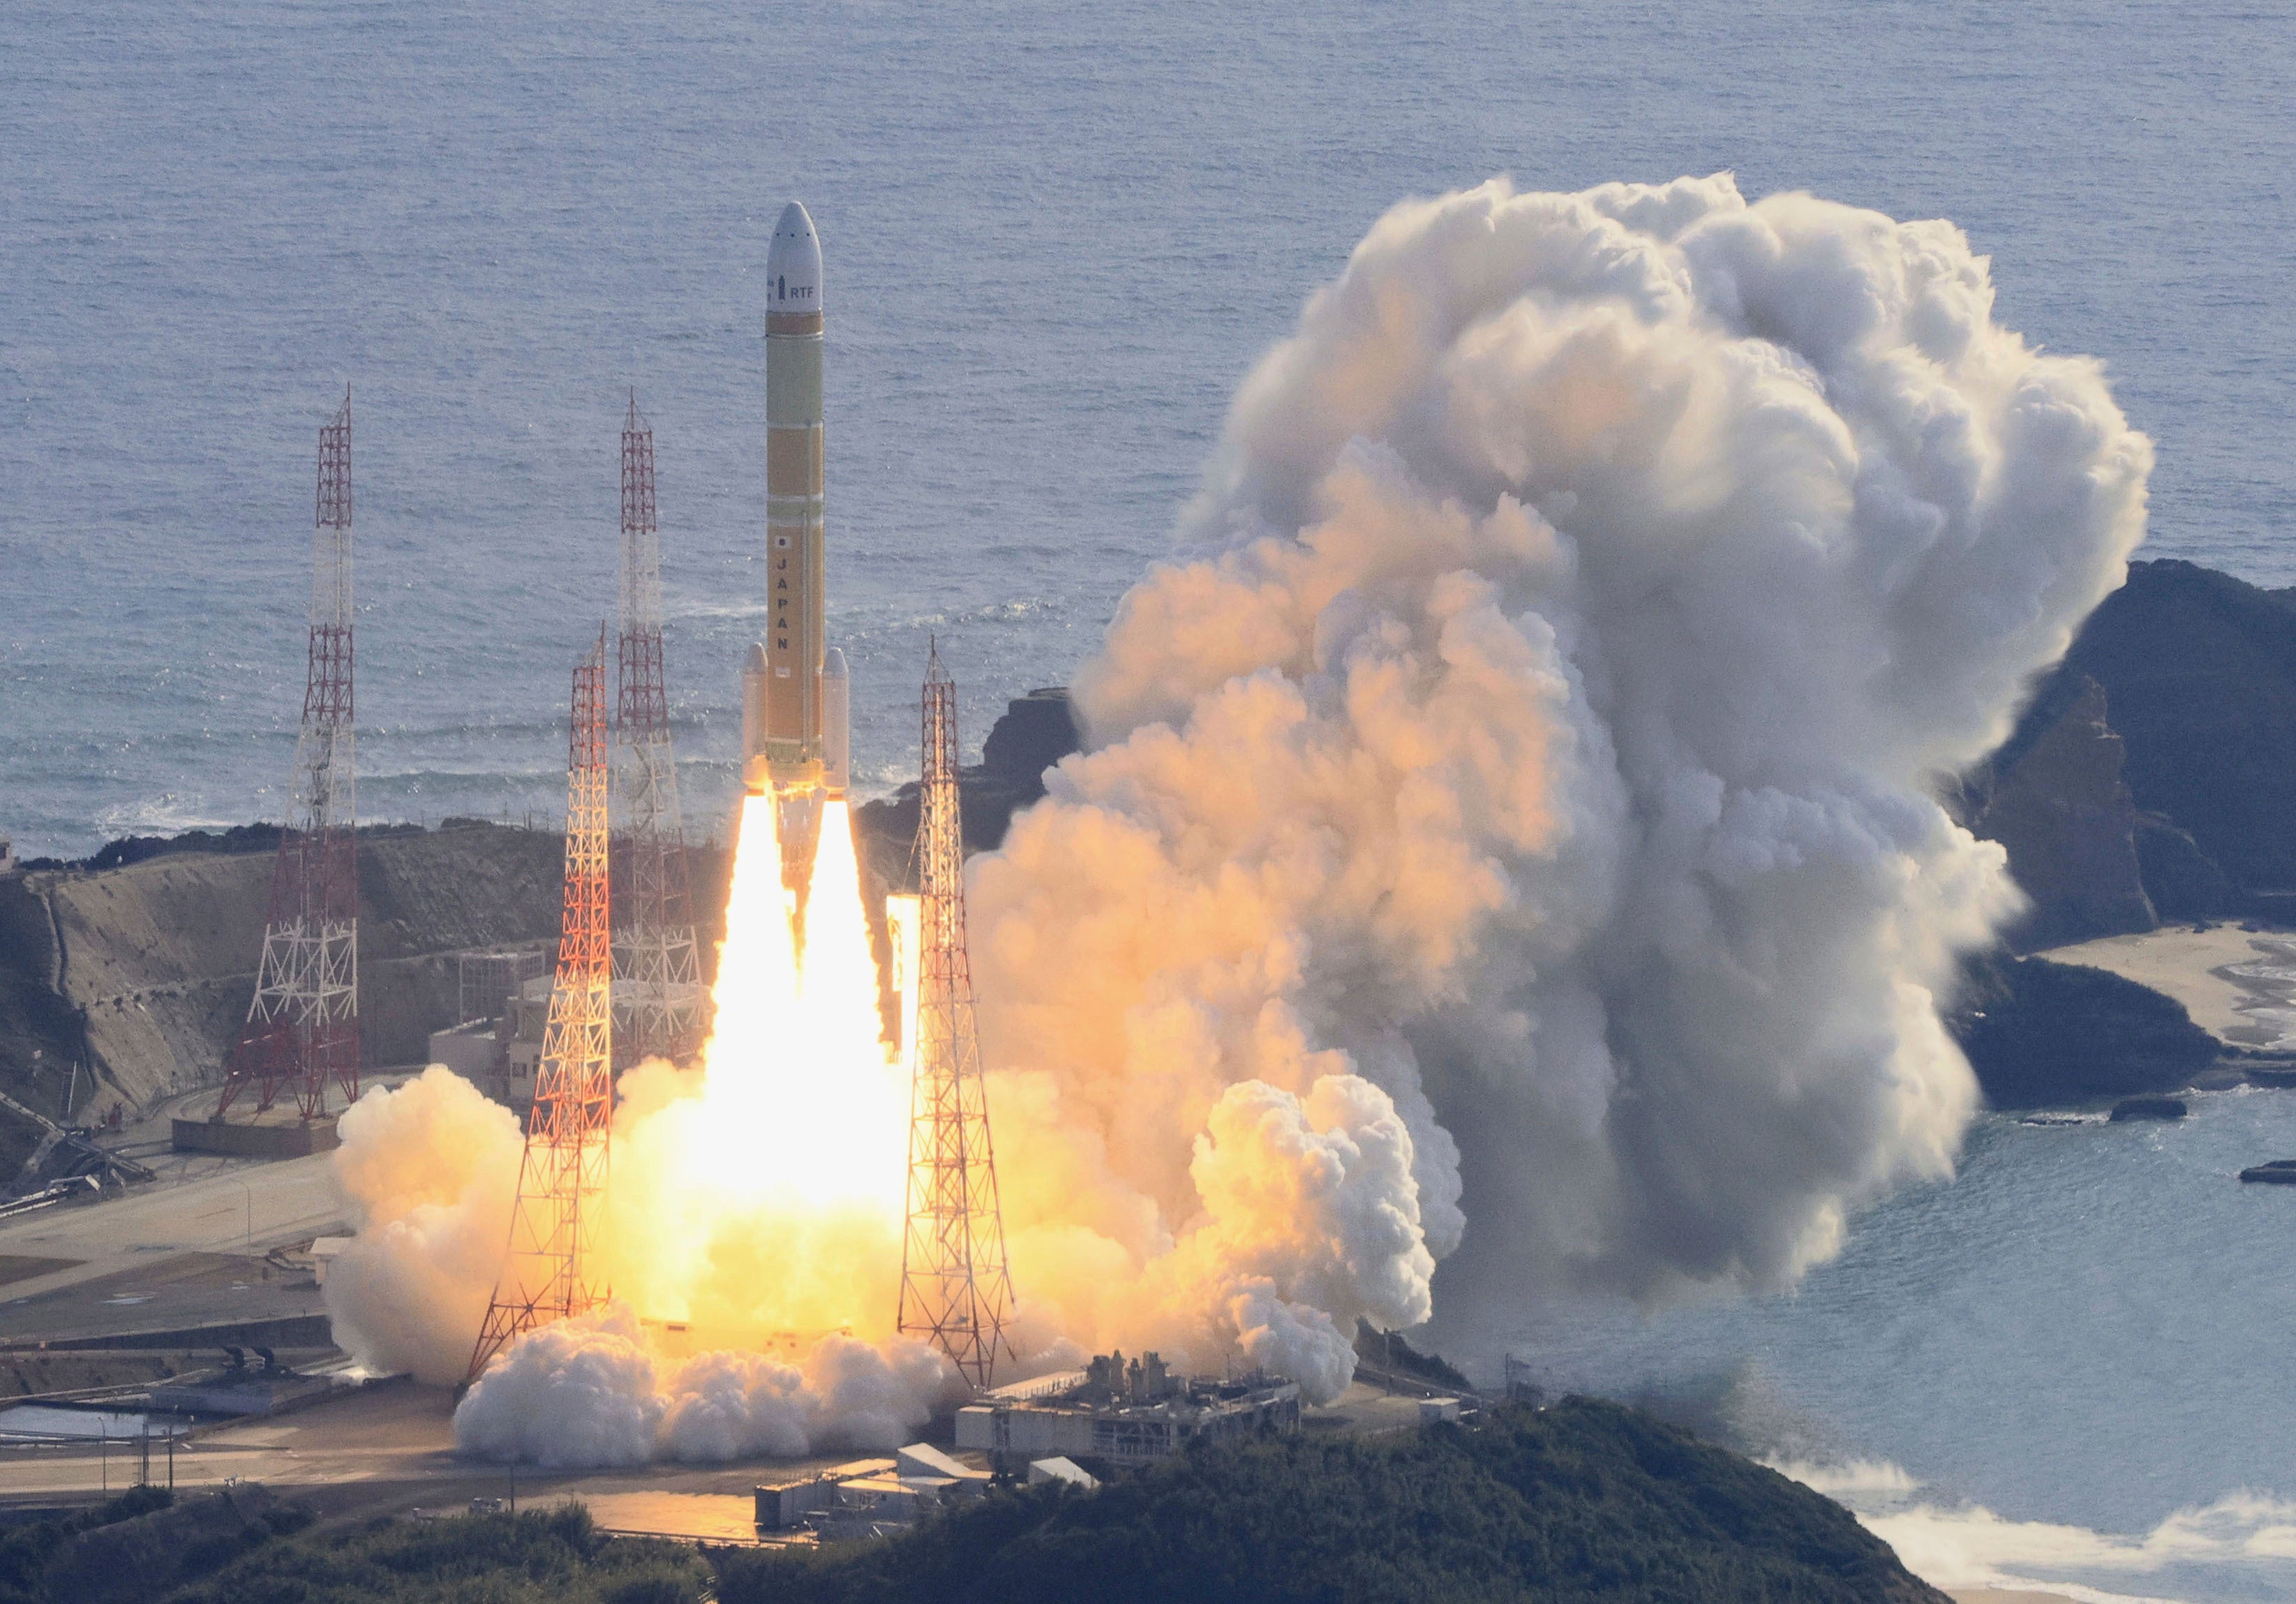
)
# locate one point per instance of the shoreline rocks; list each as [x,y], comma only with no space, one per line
[2149,1108]
[2042,1034]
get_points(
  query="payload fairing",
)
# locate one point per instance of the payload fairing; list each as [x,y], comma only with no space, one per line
[796,704]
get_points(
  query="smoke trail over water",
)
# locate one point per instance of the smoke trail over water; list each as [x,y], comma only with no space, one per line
[1507,837]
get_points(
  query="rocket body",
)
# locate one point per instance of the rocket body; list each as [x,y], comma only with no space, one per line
[787,742]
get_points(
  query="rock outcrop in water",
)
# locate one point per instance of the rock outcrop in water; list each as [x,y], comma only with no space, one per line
[1037,731]
[2149,1108]
[2041,1033]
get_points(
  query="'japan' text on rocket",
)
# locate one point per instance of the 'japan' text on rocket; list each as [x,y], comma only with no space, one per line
[795,695]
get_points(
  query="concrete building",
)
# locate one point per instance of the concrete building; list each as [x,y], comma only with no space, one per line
[471,1049]
[1127,1414]
[1059,1470]
[869,1498]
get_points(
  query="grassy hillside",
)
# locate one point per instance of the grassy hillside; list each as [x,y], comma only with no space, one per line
[1584,1502]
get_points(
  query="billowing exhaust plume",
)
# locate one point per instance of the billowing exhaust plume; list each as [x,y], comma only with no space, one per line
[752,1233]
[1507,842]
[1508,833]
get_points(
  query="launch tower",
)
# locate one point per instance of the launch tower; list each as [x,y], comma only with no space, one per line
[658,1000]
[302,1026]
[955,1291]
[551,1270]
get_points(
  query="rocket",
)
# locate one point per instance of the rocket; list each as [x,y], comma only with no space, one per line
[796,723]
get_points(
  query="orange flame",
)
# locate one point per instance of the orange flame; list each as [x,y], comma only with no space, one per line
[772,1201]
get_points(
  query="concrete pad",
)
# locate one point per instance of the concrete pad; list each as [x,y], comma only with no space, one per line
[696,1517]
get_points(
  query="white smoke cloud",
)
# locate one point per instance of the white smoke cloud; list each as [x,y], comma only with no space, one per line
[1535,738]
[590,1392]
[2245,1541]
[1506,857]
[427,1173]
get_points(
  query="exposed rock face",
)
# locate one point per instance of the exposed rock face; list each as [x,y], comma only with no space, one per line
[2149,1108]
[2039,1033]
[2199,672]
[2054,797]
[143,973]
[2181,881]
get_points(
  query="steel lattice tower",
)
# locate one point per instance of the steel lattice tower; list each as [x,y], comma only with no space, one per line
[302,1024]
[550,1271]
[955,1291]
[658,1000]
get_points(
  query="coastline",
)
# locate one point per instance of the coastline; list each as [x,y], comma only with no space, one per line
[2237,981]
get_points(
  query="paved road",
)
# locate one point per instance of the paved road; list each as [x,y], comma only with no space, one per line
[247,1211]
[200,1203]
[390,1448]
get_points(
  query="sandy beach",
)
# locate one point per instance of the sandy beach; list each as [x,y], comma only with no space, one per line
[2239,984]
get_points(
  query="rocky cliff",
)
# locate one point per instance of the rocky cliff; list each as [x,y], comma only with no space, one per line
[2168,737]
[141,975]
[2054,797]
[125,979]
[2152,776]
[1037,731]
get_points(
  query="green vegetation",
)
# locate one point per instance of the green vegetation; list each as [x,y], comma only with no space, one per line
[1586,1502]
[26,1551]
[214,1550]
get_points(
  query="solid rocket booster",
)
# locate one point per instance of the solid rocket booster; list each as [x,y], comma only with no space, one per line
[794,699]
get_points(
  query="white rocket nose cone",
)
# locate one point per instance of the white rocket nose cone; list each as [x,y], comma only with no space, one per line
[755,664]
[832,664]
[793,264]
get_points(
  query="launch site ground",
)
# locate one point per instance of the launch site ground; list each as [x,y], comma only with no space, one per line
[108,1297]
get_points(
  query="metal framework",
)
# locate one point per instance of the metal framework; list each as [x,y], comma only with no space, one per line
[302,1023]
[658,996]
[551,1268]
[955,1290]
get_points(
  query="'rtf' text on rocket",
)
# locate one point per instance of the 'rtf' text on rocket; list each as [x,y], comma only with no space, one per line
[795,706]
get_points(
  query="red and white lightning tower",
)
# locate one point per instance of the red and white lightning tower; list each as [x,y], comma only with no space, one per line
[302,1026]
[658,998]
[552,1269]
[955,1291]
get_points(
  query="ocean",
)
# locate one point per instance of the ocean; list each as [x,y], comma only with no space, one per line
[1055,239]
[2067,1365]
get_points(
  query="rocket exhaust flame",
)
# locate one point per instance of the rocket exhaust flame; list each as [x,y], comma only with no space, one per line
[762,1196]
[800,1099]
